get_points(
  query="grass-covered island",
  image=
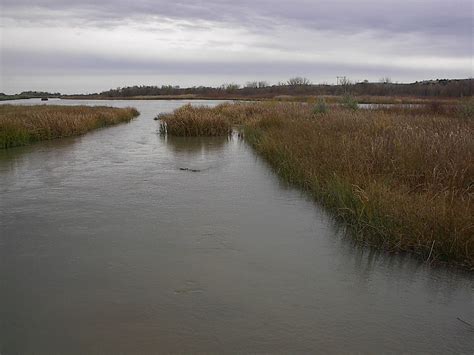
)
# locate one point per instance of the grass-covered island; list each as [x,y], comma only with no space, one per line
[401,179]
[21,125]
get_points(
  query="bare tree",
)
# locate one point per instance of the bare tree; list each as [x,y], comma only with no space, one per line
[251,84]
[386,80]
[344,82]
[230,87]
[298,81]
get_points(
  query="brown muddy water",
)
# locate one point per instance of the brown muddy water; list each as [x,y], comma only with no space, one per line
[108,246]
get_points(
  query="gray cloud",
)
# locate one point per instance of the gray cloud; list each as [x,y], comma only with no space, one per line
[31,63]
[437,17]
[301,37]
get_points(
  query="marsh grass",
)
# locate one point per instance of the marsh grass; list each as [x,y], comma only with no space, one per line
[466,109]
[399,178]
[189,121]
[21,125]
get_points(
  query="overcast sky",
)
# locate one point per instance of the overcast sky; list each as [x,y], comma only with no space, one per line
[88,46]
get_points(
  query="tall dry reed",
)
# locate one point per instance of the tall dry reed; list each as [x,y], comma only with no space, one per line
[194,121]
[21,125]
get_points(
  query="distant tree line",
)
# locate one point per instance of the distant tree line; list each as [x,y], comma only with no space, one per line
[28,95]
[302,86]
[297,86]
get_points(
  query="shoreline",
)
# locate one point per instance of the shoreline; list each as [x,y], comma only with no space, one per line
[382,100]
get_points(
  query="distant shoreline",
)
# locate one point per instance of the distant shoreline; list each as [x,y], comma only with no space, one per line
[161,97]
[362,99]
[386,92]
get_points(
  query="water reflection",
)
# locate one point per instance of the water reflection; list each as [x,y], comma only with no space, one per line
[55,145]
[195,145]
[368,262]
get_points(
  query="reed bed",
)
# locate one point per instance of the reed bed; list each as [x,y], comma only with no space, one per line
[21,125]
[194,121]
[401,180]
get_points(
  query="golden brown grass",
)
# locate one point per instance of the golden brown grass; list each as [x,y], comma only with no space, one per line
[194,121]
[401,179]
[21,125]
[369,99]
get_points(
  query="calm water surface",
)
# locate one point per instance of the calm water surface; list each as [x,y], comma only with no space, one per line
[106,246]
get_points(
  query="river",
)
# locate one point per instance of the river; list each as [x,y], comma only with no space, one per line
[107,246]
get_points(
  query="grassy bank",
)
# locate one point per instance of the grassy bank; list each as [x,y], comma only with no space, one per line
[400,179]
[21,125]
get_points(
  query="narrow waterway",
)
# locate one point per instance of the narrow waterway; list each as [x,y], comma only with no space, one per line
[108,246]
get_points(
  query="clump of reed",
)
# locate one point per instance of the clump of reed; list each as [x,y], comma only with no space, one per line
[400,179]
[191,120]
[21,125]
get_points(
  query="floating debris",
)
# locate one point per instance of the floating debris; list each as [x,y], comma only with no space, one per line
[192,170]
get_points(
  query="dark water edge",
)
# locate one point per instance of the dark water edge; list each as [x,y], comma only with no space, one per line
[107,246]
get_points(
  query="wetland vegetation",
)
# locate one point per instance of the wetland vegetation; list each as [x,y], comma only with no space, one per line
[21,125]
[194,121]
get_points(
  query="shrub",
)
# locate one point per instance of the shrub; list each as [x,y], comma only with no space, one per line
[320,107]
[350,103]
